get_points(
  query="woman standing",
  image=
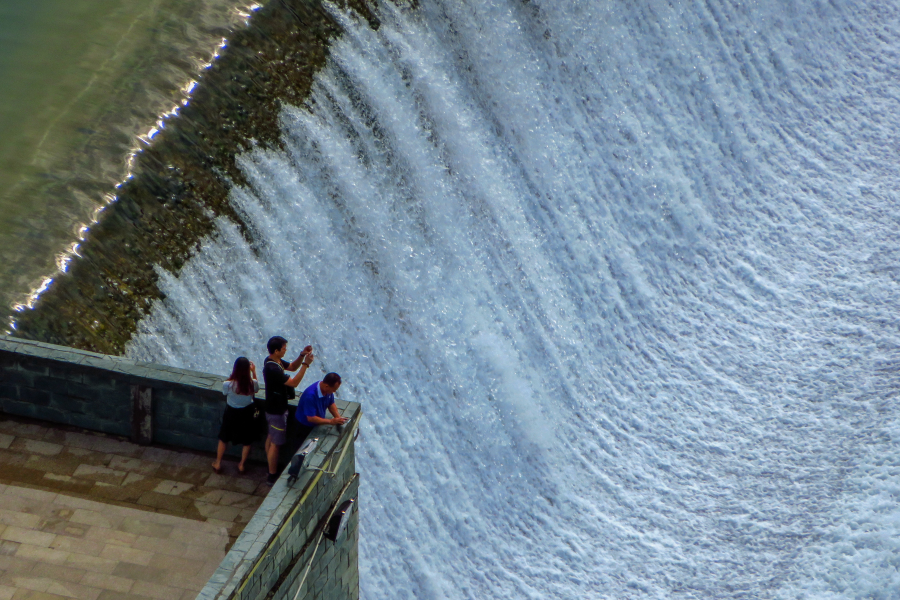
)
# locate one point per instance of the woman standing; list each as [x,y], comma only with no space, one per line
[237,423]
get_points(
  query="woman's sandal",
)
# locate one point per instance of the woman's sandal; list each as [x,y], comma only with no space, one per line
[217,471]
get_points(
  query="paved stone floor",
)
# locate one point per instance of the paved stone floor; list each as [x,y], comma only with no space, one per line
[85,515]
[54,546]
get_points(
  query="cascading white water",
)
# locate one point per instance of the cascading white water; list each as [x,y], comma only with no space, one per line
[616,284]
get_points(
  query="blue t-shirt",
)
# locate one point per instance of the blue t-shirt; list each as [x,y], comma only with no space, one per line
[313,404]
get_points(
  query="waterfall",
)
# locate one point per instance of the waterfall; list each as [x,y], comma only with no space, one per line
[616,284]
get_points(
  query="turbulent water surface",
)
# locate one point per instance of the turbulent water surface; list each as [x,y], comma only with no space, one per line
[616,284]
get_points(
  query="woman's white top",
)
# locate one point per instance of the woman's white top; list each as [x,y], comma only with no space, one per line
[237,400]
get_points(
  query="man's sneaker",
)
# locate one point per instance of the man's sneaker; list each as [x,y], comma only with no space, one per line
[272,478]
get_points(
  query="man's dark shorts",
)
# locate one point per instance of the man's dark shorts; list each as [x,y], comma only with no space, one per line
[277,428]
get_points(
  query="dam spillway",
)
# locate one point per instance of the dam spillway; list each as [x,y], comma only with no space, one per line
[618,283]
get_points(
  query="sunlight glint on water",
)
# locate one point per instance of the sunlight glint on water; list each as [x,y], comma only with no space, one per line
[616,285]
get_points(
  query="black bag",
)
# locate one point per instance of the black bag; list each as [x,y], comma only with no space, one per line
[259,417]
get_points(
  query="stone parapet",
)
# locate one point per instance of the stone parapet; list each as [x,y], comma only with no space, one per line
[99,392]
[282,554]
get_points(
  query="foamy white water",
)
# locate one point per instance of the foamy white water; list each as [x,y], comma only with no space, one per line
[616,283]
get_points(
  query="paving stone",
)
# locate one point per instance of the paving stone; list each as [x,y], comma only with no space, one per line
[32,446]
[73,502]
[27,536]
[37,584]
[106,581]
[105,519]
[227,498]
[89,457]
[184,474]
[94,564]
[173,504]
[110,595]
[112,494]
[189,566]
[140,572]
[132,478]
[77,546]
[18,519]
[245,486]
[58,572]
[134,465]
[12,459]
[167,457]
[210,541]
[74,590]
[29,430]
[98,473]
[145,528]
[125,554]
[217,512]
[172,488]
[155,590]
[110,536]
[42,554]
[13,564]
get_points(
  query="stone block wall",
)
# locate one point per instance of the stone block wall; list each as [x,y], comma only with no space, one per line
[282,550]
[97,392]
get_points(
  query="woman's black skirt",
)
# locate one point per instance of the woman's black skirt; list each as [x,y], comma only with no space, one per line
[238,426]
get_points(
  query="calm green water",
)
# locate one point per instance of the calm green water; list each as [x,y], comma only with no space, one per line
[79,81]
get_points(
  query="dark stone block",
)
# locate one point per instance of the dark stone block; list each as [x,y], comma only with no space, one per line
[34,396]
[9,362]
[120,396]
[21,378]
[180,396]
[163,405]
[99,380]
[207,413]
[66,371]
[92,422]
[64,403]
[9,391]
[23,409]
[66,386]
[55,415]
[183,440]
[189,426]
[31,366]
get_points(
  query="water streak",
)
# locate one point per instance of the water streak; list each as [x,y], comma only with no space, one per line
[616,285]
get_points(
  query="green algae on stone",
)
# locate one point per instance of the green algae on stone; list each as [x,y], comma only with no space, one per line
[183,179]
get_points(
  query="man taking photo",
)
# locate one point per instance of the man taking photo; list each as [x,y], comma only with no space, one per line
[279,389]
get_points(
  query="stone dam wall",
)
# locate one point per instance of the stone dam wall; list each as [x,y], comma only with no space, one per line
[283,552]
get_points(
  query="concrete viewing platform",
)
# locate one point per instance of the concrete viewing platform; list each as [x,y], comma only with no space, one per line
[107,489]
[92,516]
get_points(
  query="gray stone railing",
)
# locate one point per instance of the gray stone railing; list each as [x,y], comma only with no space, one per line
[147,402]
[283,548]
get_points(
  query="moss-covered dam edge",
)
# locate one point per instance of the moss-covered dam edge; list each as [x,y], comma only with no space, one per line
[182,181]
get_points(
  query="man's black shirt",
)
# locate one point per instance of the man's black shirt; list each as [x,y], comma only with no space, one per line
[276,391]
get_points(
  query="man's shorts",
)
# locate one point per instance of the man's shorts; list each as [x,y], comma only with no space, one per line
[277,428]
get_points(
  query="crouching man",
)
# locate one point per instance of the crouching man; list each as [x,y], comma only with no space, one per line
[315,402]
